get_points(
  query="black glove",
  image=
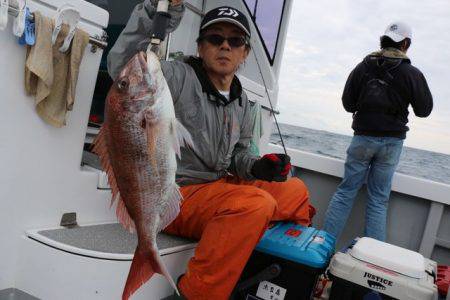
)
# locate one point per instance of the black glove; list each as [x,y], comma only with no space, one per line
[272,167]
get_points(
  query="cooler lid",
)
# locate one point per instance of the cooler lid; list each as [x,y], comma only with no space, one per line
[304,245]
[390,257]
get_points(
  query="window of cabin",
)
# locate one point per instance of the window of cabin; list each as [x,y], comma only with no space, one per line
[119,13]
[182,42]
[267,16]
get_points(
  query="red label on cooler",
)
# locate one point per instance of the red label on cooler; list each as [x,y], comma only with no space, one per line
[293,232]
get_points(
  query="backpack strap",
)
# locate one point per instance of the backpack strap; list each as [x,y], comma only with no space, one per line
[402,101]
[380,69]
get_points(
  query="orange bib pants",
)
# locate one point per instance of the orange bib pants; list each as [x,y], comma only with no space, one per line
[229,216]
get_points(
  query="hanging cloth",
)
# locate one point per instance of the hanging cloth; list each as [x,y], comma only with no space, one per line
[50,75]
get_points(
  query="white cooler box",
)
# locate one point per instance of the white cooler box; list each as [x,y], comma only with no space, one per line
[375,270]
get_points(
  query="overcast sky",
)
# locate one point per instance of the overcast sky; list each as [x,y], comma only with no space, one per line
[327,38]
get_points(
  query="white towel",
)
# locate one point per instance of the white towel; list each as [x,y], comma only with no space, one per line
[51,75]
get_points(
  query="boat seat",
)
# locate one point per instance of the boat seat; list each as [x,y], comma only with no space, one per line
[108,241]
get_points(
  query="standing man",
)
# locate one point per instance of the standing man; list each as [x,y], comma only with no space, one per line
[229,195]
[378,93]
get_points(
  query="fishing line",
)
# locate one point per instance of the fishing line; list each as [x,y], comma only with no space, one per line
[272,110]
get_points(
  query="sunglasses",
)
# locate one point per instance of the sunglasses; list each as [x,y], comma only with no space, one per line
[217,40]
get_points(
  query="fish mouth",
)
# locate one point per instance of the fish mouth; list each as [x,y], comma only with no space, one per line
[136,71]
[143,61]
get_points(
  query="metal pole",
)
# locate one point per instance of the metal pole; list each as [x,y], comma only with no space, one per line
[254,11]
[99,42]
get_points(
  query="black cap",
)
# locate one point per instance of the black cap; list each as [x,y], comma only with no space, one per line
[228,15]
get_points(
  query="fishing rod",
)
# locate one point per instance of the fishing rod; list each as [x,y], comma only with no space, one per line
[273,111]
[278,126]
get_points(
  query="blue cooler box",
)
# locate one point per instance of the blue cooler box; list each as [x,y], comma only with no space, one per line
[285,264]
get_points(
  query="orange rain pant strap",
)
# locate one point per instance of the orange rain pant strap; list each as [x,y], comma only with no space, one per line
[229,217]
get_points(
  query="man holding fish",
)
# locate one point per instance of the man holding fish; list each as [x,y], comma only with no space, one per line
[229,196]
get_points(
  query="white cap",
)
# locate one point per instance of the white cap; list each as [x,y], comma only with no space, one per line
[398,31]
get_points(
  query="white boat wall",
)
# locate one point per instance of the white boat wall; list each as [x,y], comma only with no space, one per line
[43,176]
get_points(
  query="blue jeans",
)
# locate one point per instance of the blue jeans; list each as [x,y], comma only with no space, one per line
[375,158]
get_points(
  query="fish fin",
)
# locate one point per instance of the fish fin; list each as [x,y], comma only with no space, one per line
[181,137]
[101,149]
[175,140]
[172,209]
[142,268]
[124,217]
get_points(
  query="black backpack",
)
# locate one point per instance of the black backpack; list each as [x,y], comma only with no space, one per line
[378,93]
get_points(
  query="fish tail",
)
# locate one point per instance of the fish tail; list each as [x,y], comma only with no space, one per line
[144,265]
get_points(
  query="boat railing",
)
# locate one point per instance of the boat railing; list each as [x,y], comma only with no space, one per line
[438,194]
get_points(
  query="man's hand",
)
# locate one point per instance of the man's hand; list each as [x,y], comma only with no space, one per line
[272,167]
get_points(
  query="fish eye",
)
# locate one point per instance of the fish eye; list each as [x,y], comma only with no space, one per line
[123,84]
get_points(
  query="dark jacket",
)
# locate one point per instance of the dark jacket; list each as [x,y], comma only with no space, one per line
[407,86]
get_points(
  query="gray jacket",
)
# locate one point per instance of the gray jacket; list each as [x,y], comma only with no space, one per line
[221,129]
